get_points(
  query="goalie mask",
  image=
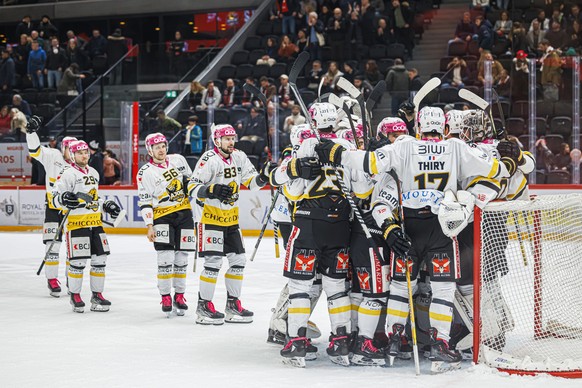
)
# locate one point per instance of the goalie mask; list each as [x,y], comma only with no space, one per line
[219,131]
[323,115]
[431,120]
[476,127]
[454,122]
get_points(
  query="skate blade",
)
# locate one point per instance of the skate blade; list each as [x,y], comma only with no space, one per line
[55,294]
[179,312]
[99,308]
[297,362]
[391,360]
[209,321]
[78,309]
[442,366]
[273,340]
[340,360]
[311,356]
[237,319]
[358,359]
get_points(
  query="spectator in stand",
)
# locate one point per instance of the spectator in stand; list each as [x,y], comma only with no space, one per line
[349,72]
[465,28]
[177,51]
[485,33]
[195,95]
[7,73]
[354,35]
[46,29]
[496,68]
[401,20]
[252,128]
[325,14]
[534,36]
[336,30]
[287,49]
[557,37]
[544,23]
[249,99]
[458,74]
[574,15]
[210,96]
[5,121]
[544,157]
[116,49]
[96,159]
[288,10]
[71,81]
[503,25]
[35,37]
[315,38]
[314,75]
[294,119]
[21,53]
[363,86]
[481,6]
[24,27]
[229,95]
[36,65]
[80,41]
[332,75]
[301,41]
[111,169]
[284,92]
[503,85]
[267,89]
[56,62]
[563,161]
[169,128]
[271,115]
[397,84]
[305,7]
[76,55]
[272,50]
[194,142]
[520,77]
[558,17]
[371,73]
[22,105]
[415,81]
[518,38]
[368,16]
[383,33]
[18,122]
[266,60]
[97,46]
[551,67]
[575,35]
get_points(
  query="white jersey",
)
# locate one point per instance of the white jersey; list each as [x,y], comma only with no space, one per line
[426,168]
[84,181]
[235,171]
[384,201]
[51,159]
[161,189]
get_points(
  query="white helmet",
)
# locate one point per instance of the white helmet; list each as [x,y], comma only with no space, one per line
[153,139]
[476,127]
[454,119]
[392,125]
[431,119]
[323,114]
[219,131]
[298,134]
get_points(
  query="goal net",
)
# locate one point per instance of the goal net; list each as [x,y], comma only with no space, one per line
[528,285]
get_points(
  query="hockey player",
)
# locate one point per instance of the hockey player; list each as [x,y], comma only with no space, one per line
[216,182]
[165,208]
[76,189]
[321,208]
[430,170]
[454,122]
[53,161]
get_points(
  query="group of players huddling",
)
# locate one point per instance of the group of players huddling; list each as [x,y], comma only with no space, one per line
[434,179]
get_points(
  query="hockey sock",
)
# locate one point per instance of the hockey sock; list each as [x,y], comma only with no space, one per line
[398,306]
[233,280]
[180,268]
[356,299]
[165,271]
[208,283]
[299,305]
[369,314]
[76,275]
[338,303]
[441,308]
[51,269]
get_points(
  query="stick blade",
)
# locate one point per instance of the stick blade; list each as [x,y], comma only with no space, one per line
[428,87]
[348,87]
[252,89]
[298,66]
[119,218]
[376,95]
[468,95]
[335,100]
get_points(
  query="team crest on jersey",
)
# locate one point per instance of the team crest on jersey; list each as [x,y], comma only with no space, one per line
[235,194]
[94,204]
[401,265]
[305,261]
[364,279]
[175,191]
[342,261]
[441,266]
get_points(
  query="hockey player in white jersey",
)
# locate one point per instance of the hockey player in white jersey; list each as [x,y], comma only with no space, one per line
[216,182]
[77,189]
[428,168]
[53,161]
[165,209]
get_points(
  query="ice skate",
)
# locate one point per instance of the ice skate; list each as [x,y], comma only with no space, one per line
[235,313]
[365,353]
[207,314]
[276,337]
[339,347]
[99,303]
[398,346]
[180,304]
[54,287]
[77,303]
[311,351]
[295,352]
[443,359]
[166,305]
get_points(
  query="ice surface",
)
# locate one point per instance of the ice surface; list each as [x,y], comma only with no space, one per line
[44,344]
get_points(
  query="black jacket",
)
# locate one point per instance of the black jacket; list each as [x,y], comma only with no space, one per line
[56,61]
[7,73]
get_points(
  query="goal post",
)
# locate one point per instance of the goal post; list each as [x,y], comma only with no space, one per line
[528,285]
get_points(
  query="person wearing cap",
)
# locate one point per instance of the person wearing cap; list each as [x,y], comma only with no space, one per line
[116,49]
[193,144]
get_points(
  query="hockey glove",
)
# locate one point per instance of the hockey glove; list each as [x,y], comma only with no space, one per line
[398,242]
[33,124]
[511,150]
[111,208]
[500,133]
[329,152]
[265,173]
[379,143]
[70,200]
[219,191]
[305,168]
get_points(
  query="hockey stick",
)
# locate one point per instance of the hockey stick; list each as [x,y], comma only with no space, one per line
[267,217]
[408,281]
[295,70]
[50,247]
[500,109]
[349,88]
[252,89]
[372,100]
[338,102]
[428,87]
[319,96]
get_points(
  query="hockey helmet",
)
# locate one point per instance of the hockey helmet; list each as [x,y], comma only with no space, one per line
[219,131]
[431,119]
[324,115]
[153,139]
[454,121]
[476,127]
[392,125]
[299,133]
[77,145]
